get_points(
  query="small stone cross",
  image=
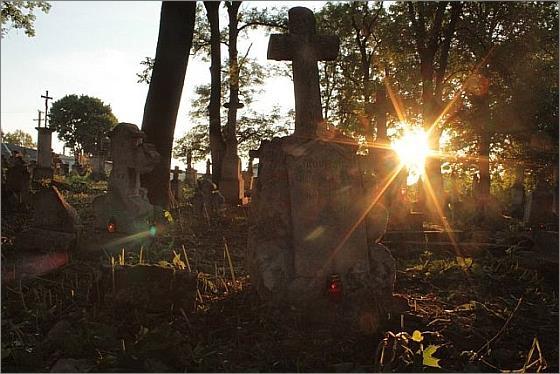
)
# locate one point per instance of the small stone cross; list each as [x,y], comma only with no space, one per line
[304,48]
[176,173]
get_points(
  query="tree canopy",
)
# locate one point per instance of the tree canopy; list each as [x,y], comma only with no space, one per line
[18,14]
[81,121]
[19,137]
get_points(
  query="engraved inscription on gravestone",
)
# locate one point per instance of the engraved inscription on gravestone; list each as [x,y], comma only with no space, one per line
[324,184]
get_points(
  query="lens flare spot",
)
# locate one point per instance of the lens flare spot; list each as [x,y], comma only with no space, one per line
[315,234]
[412,149]
[153,230]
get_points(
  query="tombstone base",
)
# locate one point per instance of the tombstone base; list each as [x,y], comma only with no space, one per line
[231,184]
[113,243]
[232,189]
[40,173]
[366,269]
[136,216]
[38,239]
[191,177]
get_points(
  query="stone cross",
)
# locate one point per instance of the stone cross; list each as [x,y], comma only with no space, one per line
[38,120]
[176,173]
[304,48]
[47,98]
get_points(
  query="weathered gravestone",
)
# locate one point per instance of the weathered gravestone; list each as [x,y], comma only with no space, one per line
[517,199]
[64,169]
[55,225]
[208,167]
[538,208]
[248,177]
[231,183]
[126,208]
[190,172]
[399,205]
[313,235]
[17,179]
[99,159]
[207,200]
[175,183]
[43,169]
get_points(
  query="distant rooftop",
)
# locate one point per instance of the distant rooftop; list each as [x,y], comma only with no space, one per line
[29,154]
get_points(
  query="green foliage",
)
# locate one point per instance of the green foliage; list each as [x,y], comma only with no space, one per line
[81,121]
[19,137]
[348,83]
[18,14]
[251,128]
[145,75]
[78,184]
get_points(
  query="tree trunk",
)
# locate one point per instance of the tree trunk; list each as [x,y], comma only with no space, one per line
[164,94]
[427,47]
[231,184]
[230,136]
[217,144]
[482,119]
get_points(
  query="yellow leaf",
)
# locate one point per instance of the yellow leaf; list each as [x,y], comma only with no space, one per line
[428,359]
[465,262]
[417,336]
[168,216]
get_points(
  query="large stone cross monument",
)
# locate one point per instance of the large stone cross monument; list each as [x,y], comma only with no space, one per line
[304,48]
[314,226]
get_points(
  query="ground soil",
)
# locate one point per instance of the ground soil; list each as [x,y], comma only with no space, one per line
[482,314]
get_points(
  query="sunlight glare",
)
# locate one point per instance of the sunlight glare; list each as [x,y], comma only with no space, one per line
[412,149]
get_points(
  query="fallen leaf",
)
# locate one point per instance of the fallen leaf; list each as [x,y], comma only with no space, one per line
[428,359]
[417,336]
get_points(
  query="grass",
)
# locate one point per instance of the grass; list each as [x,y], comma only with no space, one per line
[488,315]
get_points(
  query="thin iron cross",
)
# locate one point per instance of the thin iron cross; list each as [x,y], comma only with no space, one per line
[47,98]
[38,118]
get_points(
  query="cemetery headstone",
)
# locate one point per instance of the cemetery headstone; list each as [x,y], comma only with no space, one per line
[55,224]
[207,200]
[538,207]
[208,165]
[517,198]
[399,205]
[43,169]
[248,177]
[309,242]
[17,179]
[190,172]
[126,205]
[191,177]
[231,182]
[64,169]
[174,184]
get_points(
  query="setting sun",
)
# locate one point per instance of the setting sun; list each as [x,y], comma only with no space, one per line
[412,149]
